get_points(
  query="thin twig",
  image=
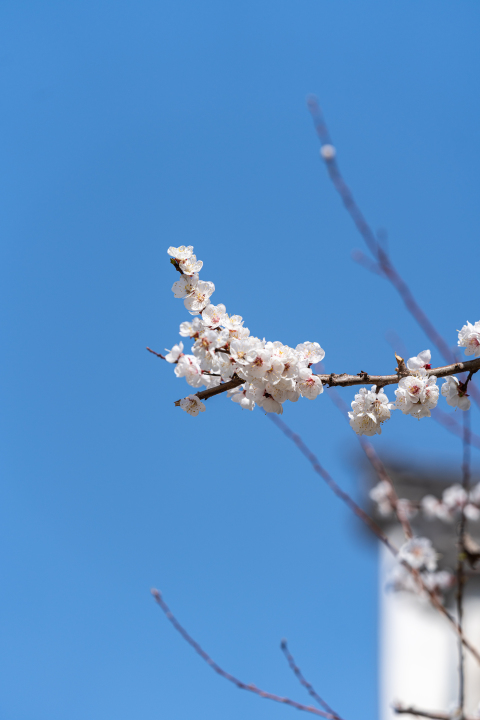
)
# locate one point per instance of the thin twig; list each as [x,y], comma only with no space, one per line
[308,686]
[368,235]
[155,353]
[373,527]
[379,253]
[227,676]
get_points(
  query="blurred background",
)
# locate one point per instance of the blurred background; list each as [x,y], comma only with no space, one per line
[129,127]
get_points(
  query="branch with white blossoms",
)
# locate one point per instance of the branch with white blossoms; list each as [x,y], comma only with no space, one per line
[226,358]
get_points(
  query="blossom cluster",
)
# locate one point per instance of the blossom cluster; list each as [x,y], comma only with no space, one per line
[273,373]
[224,349]
[455,499]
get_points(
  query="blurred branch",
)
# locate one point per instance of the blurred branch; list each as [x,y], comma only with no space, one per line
[308,686]
[320,470]
[227,676]
[400,710]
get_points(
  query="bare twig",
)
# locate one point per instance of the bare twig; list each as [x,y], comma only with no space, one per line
[227,676]
[368,235]
[308,686]
[320,470]
[155,353]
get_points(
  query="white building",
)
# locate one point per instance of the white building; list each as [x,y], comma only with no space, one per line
[418,648]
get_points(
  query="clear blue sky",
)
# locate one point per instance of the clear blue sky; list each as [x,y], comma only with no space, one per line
[126,127]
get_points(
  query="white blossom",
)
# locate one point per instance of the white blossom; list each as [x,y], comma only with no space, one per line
[192,405]
[421,361]
[185,286]
[233,322]
[417,394]
[309,385]
[429,505]
[180,253]
[199,298]
[175,353]
[191,265]
[369,411]
[310,352]
[472,512]
[328,151]
[189,368]
[213,315]
[192,329]
[381,494]
[455,497]
[239,395]
[419,553]
[270,405]
[469,338]
[451,389]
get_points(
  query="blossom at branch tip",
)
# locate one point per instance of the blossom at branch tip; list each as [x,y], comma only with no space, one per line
[175,353]
[456,397]
[191,265]
[189,368]
[310,352]
[469,338]
[309,385]
[199,298]
[369,411]
[214,315]
[327,151]
[181,253]
[421,361]
[192,405]
[185,286]
[419,553]
[417,394]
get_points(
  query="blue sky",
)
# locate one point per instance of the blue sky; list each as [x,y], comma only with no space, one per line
[128,127]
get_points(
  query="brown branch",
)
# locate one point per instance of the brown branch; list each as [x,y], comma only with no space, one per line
[227,676]
[320,470]
[205,394]
[363,378]
[155,353]
[400,710]
[369,237]
[308,686]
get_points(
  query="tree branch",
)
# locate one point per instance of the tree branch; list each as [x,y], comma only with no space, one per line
[320,470]
[227,676]
[308,686]
[363,378]
[400,710]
